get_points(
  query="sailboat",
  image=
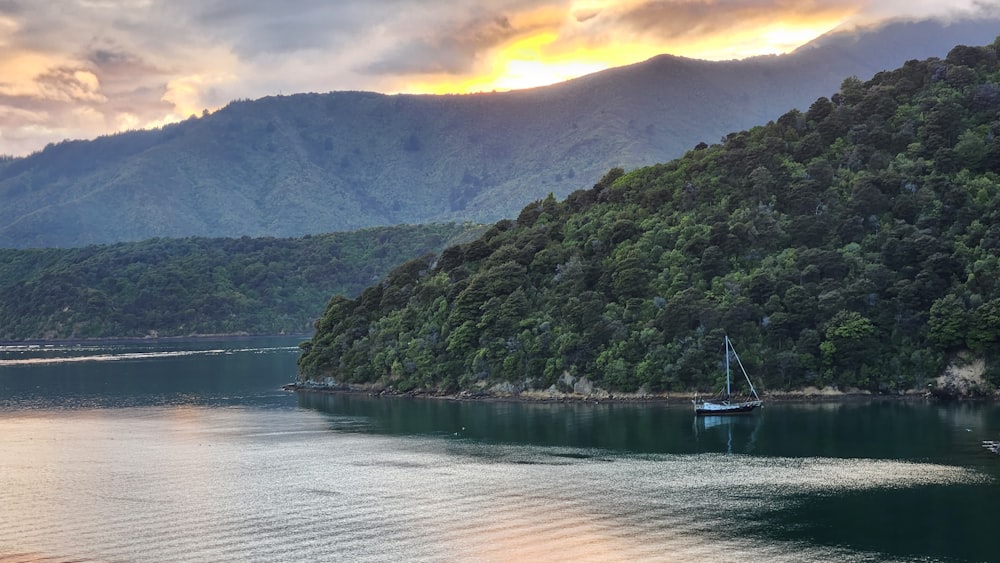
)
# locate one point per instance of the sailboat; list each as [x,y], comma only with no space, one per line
[724,404]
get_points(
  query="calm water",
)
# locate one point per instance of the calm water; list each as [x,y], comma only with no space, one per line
[190,452]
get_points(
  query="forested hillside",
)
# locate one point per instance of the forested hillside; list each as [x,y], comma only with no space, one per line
[854,244]
[316,163]
[171,287]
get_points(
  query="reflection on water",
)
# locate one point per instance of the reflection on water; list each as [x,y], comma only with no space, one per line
[893,429]
[197,483]
[139,373]
[746,427]
[194,455]
[33,359]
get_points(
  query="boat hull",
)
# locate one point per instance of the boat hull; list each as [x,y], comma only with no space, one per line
[715,409]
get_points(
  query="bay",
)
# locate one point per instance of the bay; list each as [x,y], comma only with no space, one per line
[189,451]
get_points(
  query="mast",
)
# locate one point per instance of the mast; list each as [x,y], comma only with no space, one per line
[728,393]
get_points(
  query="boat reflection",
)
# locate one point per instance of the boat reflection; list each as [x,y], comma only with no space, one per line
[738,433]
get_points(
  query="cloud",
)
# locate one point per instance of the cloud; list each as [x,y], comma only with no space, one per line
[70,85]
[453,51]
[187,93]
[82,68]
[256,28]
[698,18]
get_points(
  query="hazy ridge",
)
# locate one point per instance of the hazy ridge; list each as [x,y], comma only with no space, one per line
[314,163]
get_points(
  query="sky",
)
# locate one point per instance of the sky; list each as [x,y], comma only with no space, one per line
[77,69]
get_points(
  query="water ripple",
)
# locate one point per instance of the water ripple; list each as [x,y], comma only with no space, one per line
[209,485]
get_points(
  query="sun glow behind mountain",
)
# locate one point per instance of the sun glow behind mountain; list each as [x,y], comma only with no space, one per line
[554,55]
[82,68]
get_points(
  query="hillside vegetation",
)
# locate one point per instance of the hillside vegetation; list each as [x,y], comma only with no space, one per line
[316,163]
[854,244]
[171,287]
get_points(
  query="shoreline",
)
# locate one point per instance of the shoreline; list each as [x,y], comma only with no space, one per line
[153,339]
[806,396]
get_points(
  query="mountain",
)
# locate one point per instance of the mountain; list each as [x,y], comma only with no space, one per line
[853,244]
[312,163]
[180,287]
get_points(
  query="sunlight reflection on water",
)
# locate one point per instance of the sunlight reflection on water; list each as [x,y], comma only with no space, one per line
[202,484]
[89,355]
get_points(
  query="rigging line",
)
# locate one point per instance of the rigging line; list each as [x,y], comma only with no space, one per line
[752,390]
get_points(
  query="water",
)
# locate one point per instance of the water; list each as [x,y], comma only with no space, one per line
[191,452]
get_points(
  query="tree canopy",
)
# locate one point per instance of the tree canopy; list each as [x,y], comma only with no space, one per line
[171,287]
[853,244]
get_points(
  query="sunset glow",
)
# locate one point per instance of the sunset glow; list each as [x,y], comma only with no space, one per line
[80,69]
[557,55]
[773,39]
[525,63]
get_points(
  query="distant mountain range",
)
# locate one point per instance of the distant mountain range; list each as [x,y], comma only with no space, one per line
[312,163]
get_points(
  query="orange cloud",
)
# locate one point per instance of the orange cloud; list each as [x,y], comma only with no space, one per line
[148,62]
[555,43]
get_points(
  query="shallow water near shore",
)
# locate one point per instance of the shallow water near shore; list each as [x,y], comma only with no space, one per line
[191,452]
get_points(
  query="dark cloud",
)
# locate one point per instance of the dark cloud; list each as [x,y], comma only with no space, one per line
[585,15]
[131,84]
[678,20]
[109,58]
[449,51]
[112,62]
[266,28]
[66,84]
[12,7]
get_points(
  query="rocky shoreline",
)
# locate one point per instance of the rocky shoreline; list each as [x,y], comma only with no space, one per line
[963,380]
[810,395]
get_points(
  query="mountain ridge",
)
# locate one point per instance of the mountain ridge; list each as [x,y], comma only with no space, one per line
[311,163]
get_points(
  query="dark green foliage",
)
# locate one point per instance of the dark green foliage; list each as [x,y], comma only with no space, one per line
[170,287]
[854,245]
